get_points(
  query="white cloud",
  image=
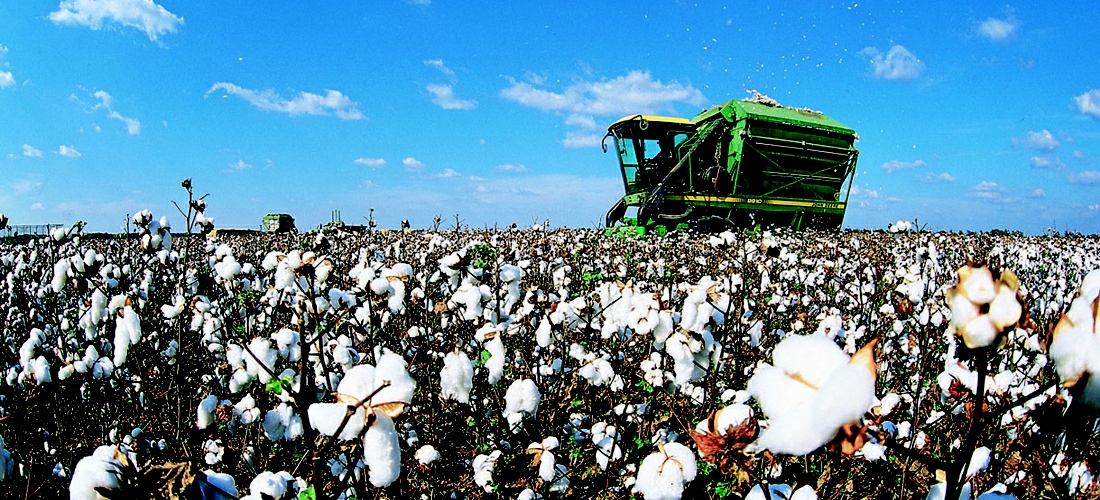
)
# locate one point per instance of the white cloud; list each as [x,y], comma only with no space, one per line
[1036,193]
[25,186]
[1088,177]
[998,30]
[240,166]
[858,192]
[68,151]
[898,63]
[511,167]
[1089,103]
[447,173]
[30,151]
[1047,162]
[987,190]
[37,206]
[6,79]
[1095,207]
[444,97]
[635,92]
[413,165]
[581,140]
[133,126]
[582,121]
[438,64]
[145,15]
[931,178]
[1042,140]
[371,162]
[895,165]
[307,103]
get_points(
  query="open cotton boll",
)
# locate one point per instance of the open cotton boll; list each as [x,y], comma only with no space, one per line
[60,275]
[104,468]
[260,359]
[204,414]
[522,397]
[456,379]
[127,333]
[939,492]
[426,454]
[662,475]
[805,413]
[483,466]
[217,485]
[497,359]
[274,485]
[359,383]
[382,451]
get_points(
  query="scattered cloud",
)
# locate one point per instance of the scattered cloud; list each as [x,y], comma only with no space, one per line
[373,163]
[988,190]
[895,165]
[859,192]
[30,151]
[444,97]
[1095,207]
[511,167]
[1036,193]
[133,126]
[24,186]
[1081,157]
[145,15]
[635,92]
[305,103]
[438,64]
[413,165]
[998,30]
[931,178]
[1047,163]
[6,78]
[581,140]
[37,206]
[1042,140]
[1087,177]
[68,151]
[897,64]
[240,166]
[447,173]
[1089,103]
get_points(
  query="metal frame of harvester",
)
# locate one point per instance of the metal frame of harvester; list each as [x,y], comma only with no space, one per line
[745,163]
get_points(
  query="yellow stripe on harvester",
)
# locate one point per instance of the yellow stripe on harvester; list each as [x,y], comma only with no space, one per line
[757,201]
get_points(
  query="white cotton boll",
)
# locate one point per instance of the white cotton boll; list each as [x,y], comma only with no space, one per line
[102,469]
[483,466]
[60,275]
[426,454]
[103,368]
[270,484]
[547,466]
[845,397]
[777,393]
[522,396]
[67,371]
[776,491]
[812,357]
[204,414]
[42,371]
[939,492]
[456,377]
[804,493]
[662,475]
[978,461]
[326,418]
[497,359]
[528,494]
[873,451]
[1074,351]
[543,334]
[260,359]
[382,451]
[224,483]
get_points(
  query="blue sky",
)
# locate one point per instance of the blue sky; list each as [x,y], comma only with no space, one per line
[970,118]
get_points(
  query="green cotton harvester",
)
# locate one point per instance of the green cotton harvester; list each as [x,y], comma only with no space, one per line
[743,164]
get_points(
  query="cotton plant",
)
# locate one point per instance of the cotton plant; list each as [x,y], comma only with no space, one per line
[456,379]
[106,470]
[605,437]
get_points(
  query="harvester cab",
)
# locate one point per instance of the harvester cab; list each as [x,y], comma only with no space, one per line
[741,164]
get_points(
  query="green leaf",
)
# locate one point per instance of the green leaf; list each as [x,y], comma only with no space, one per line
[307,494]
[274,385]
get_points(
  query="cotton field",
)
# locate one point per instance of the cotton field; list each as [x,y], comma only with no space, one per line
[543,364]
